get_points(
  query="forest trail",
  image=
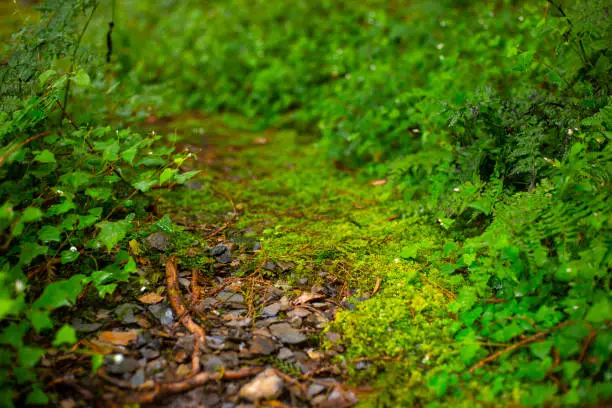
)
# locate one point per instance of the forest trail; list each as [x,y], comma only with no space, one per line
[288,265]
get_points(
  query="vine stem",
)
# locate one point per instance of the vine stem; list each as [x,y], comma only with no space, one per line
[74,55]
[515,346]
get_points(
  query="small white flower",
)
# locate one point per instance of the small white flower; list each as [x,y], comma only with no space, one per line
[143,288]
[570,131]
[396,260]
[568,270]
[440,46]
[595,214]
[348,76]
[150,153]
[443,23]
[456,189]
[576,307]
[340,51]
[441,57]
[425,359]
[19,286]
[372,67]
[73,249]
[521,18]
[98,245]
[60,192]
[415,130]
[118,358]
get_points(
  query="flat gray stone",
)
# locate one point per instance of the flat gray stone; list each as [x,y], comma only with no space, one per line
[159,240]
[271,310]
[267,385]
[262,346]
[284,354]
[287,334]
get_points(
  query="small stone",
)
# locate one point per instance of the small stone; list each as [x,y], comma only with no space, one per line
[298,312]
[296,322]
[230,359]
[222,253]
[156,366]
[143,339]
[285,266]
[159,240]
[183,370]
[215,342]
[212,363]
[225,295]
[262,346]
[269,266]
[184,282]
[287,334]
[138,379]
[257,246]
[237,298]
[319,400]
[239,323]
[314,389]
[333,337]
[126,365]
[68,403]
[208,303]
[163,313]
[341,398]
[303,281]
[271,310]
[284,354]
[149,354]
[267,385]
[317,289]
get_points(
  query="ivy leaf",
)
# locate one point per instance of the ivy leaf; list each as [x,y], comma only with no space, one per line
[45,76]
[409,252]
[69,256]
[468,352]
[600,311]
[541,350]
[65,335]
[31,214]
[29,251]
[29,356]
[45,157]
[49,233]
[112,232]
[62,207]
[76,179]
[82,79]
[96,362]
[184,177]
[5,306]
[167,175]
[40,319]
[37,397]
[62,293]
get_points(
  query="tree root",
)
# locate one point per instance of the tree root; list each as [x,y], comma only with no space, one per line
[164,390]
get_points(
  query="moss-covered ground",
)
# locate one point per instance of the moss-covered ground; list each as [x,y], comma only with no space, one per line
[334,226]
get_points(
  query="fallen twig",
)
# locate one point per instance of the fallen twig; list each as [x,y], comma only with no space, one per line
[164,390]
[515,346]
[174,294]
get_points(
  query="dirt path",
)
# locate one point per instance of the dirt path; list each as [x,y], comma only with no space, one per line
[284,275]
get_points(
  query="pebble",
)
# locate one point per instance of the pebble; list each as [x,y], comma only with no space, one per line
[159,240]
[284,354]
[239,323]
[212,363]
[222,253]
[126,365]
[287,334]
[262,346]
[215,342]
[298,312]
[138,379]
[163,313]
[184,282]
[314,389]
[149,354]
[271,310]
[267,385]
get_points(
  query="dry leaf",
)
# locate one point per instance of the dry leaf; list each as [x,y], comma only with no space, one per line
[378,182]
[118,338]
[151,298]
[307,297]
[261,140]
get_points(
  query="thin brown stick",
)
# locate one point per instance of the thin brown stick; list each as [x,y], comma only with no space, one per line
[587,344]
[515,346]
[164,390]
[376,287]
[174,294]
[19,145]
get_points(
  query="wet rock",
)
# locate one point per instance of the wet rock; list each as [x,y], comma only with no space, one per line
[143,339]
[230,358]
[303,281]
[348,305]
[126,313]
[298,312]
[239,323]
[313,390]
[285,354]
[362,365]
[149,354]
[159,240]
[216,342]
[262,346]
[119,364]
[285,266]
[183,370]
[184,282]
[267,385]
[296,322]
[257,246]
[185,343]
[273,294]
[287,334]
[163,313]
[156,366]
[317,289]
[343,398]
[138,379]
[222,254]
[269,266]
[79,325]
[271,310]
[212,363]
[207,303]
[266,322]
[333,337]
